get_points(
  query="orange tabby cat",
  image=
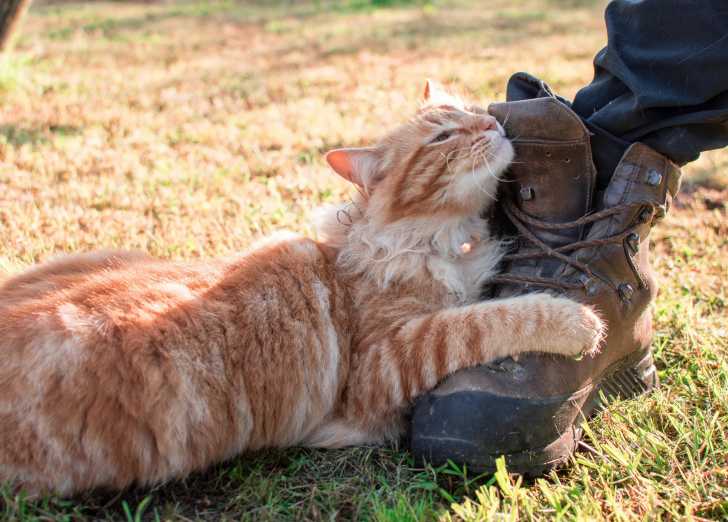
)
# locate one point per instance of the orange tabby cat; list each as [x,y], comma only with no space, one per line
[116,368]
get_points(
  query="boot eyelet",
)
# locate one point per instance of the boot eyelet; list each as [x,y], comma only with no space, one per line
[526,193]
[567,160]
[645,215]
[548,153]
[625,291]
[590,285]
[654,178]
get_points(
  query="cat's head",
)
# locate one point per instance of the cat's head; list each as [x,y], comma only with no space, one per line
[445,161]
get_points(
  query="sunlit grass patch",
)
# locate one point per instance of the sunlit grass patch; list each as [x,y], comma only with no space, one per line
[13,71]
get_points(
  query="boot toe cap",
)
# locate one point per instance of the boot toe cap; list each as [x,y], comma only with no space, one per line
[476,427]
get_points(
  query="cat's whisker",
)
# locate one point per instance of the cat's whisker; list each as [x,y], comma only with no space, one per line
[447,163]
[505,120]
[449,154]
[502,179]
[480,155]
[474,157]
[482,188]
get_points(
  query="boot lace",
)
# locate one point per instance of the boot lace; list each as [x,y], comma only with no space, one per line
[540,249]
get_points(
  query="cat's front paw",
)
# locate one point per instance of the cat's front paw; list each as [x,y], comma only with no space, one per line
[576,330]
[581,330]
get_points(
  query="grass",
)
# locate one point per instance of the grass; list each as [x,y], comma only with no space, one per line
[188,129]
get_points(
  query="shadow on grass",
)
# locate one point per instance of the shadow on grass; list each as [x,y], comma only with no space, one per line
[428,27]
[110,27]
[567,4]
[301,484]
[247,12]
[420,32]
[19,136]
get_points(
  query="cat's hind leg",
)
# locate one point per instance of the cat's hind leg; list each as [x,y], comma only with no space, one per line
[22,459]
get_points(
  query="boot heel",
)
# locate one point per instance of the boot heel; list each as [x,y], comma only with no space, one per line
[630,379]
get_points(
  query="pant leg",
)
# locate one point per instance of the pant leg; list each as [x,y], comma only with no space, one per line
[662,79]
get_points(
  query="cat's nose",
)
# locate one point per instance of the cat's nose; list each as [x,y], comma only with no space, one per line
[486,123]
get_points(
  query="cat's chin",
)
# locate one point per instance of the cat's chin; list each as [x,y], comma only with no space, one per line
[501,154]
[478,187]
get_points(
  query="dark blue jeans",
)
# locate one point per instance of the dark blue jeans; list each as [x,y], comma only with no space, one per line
[662,80]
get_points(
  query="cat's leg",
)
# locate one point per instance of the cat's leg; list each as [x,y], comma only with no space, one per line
[419,354]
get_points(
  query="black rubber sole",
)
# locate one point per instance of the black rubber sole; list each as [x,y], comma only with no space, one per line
[552,427]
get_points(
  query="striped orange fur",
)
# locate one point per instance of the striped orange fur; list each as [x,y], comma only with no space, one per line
[117,368]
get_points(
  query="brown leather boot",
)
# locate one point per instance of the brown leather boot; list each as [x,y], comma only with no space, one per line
[593,248]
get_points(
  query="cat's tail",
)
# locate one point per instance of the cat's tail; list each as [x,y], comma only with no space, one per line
[81,263]
[338,433]
[7,270]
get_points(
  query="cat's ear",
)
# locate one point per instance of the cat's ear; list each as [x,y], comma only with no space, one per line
[357,165]
[435,93]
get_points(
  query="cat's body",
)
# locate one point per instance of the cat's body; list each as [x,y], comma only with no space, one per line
[117,368]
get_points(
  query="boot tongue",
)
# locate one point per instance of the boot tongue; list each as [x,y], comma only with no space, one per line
[552,177]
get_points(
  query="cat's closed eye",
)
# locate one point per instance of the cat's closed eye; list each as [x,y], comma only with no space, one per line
[444,135]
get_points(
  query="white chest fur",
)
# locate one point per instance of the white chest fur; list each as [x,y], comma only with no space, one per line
[465,274]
